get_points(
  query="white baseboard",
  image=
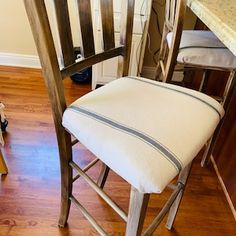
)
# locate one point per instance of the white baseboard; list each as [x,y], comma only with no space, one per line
[21,60]
[149,72]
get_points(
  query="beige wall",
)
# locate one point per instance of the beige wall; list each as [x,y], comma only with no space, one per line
[15,31]
[16,37]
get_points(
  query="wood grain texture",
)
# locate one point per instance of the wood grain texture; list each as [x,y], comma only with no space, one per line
[29,194]
[225,152]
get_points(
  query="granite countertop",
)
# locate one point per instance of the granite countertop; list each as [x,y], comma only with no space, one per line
[220,17]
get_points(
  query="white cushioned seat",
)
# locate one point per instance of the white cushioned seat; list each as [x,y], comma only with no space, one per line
[145,131]
[199,47]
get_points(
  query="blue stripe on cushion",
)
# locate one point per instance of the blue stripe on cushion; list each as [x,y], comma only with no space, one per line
[149,140]
[176,90]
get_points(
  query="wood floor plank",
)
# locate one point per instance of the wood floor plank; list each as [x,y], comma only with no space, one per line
[30,193]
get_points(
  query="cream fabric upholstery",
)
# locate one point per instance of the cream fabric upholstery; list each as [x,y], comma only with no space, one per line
[203,48]
[145,131]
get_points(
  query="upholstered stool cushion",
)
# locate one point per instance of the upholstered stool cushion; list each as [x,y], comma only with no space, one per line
[143,130]
[203,48]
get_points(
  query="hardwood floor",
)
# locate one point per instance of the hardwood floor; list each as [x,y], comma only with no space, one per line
[30,193]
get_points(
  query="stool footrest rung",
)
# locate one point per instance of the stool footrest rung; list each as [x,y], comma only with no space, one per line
[151,228]
[88,216]
[99,191]
[86,168]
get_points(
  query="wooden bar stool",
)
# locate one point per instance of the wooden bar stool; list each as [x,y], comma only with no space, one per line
[145,131]
[192,49]
[195,49]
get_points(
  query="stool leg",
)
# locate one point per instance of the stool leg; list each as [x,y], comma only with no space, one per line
[137,211]
[3,166]
[207,152]
[103,175]
[65,152]
[66,191]
[183,177]
[228,86]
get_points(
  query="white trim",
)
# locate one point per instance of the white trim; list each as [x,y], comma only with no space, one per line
[223,187]
[149,72]
[21,60]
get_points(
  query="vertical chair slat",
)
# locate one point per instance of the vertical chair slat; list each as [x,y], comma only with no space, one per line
[126,33]
[86,28]
[172,11]
[167,11]
[106,7]
[65,35]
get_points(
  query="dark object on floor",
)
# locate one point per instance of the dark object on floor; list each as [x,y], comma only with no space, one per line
[3,125]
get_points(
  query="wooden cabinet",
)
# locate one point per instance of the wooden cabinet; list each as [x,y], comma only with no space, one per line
[225,151]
